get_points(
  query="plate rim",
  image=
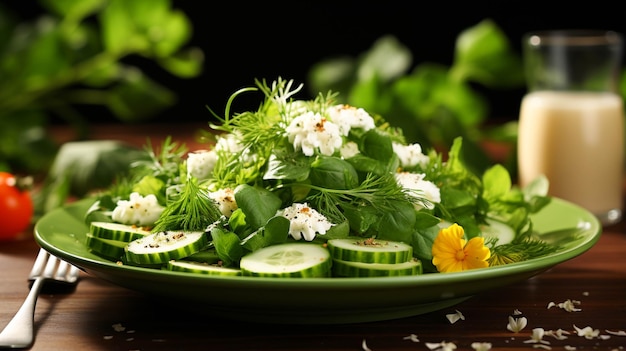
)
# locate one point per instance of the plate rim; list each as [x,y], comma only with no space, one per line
[541,263]
[305,300]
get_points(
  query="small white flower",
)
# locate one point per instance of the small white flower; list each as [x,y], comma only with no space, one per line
[587,332]
[348,117]
[364,346]
[200,164]
[516,324]
[454,317]
[225,200]
[410,155]
[137,210]
[305,221]
[558,334]
[349,149]
[412,337]
[481,346]
[311,132]
[570,305]
[441,346]
[618,333]
[416,186]
[285,92]
[537,337]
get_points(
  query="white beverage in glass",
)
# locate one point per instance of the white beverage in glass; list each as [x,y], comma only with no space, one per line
[571,123]
[575,139]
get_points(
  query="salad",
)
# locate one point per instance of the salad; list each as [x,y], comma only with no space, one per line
[310,188]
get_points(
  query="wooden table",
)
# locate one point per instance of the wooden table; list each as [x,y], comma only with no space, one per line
[101,316]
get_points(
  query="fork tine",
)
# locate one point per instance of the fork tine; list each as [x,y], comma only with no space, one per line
[50,266]
[66,272]
[38,266]
[61,271]
[73,274]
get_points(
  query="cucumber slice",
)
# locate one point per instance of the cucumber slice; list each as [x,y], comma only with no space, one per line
[117,231]
[204,256]
[161,247]
[202,268]
[361,269]
[496,229]
[112,249]
[303,260]
[370,250]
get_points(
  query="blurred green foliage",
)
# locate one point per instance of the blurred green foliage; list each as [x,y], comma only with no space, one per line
[78,54]
[431,102]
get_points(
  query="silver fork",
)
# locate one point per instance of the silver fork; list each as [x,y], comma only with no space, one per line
[55,273]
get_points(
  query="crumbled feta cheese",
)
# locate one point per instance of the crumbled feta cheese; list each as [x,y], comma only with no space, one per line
[138,210]
[225,200]
[419,188]
[200,163]
[410,155]
[348,117]
[305,221]
[311,132]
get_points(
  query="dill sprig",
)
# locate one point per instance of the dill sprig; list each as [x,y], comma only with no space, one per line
[164,162]
[375,191]
[192,210]
[520,250]
[258,132]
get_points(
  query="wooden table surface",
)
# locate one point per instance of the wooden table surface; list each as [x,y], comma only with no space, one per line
[101,316]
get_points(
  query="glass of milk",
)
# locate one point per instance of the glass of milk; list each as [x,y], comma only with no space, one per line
[571,123]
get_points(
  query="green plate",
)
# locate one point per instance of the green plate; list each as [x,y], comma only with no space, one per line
[318,300]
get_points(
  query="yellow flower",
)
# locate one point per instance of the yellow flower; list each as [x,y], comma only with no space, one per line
[451,253]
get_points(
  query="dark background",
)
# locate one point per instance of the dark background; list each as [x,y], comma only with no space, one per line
[244,40]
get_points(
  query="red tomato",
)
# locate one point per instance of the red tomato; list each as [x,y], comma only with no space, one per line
[16,207]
